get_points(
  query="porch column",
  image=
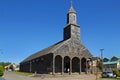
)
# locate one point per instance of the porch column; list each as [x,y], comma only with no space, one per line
[53,72]
[92,67]
[62,66]
[86,67]
[30,66]
[80,67]
[70,66]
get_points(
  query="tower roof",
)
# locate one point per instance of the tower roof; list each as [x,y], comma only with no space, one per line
[71,10]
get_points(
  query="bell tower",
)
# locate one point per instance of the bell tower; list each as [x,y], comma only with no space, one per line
[71,30]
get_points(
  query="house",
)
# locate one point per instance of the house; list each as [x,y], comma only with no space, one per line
[11,67]
[111,63]
[94,63]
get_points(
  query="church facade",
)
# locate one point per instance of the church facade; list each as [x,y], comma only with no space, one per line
[67,56]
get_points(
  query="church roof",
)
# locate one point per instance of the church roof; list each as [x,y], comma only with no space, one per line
[44,51]
[113,60]
[52,48]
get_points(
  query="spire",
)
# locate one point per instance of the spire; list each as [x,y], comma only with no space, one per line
[71,16]
[71,10]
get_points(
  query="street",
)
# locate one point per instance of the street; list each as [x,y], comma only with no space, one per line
[12,76]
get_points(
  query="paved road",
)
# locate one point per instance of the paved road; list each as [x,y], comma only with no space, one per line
[12,76]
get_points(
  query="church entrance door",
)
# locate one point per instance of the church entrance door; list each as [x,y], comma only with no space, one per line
[58,64]
[75,65]
[83,65]
[66,64]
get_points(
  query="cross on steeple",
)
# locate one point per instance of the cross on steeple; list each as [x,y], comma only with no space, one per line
[71,3]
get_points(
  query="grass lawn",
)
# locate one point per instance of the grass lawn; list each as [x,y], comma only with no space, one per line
[24,73]
[109,79]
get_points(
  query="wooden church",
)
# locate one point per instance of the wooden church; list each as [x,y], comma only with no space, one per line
[67,56]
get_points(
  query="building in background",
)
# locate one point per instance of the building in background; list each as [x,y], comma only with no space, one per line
[11,67]
[111,63]
[94,65]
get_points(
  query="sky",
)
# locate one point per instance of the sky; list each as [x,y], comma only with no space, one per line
[28,26]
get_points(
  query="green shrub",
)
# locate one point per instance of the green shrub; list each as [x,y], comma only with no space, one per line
[1,71]
[116,72]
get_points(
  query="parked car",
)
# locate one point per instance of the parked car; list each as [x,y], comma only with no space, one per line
[108,74]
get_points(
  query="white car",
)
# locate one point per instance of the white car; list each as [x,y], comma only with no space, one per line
[108,74]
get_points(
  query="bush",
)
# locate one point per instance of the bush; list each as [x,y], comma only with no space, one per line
[116,72]
[1,71]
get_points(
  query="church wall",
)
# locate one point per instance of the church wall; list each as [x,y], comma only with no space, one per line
[67,33]
[42,65]
[24,67]
[75,32]
[72,48]
[45,64]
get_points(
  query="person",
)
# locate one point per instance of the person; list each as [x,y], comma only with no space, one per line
[68,70]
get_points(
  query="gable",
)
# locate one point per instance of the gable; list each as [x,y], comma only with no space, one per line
[105,60]
[72,48]
[114,58]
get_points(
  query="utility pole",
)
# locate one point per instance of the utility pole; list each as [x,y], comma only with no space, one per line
[101,50]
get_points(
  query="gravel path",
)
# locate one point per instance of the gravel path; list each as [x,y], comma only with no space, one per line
[12,76]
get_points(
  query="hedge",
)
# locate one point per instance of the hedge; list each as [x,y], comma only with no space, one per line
[1,71]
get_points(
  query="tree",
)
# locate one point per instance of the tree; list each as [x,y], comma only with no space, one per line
[116,72]
[100,65]
[4,63]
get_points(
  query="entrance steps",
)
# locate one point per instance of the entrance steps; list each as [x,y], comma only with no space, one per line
[63,75]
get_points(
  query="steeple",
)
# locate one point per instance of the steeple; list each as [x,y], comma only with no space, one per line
[71,16]
[71,30]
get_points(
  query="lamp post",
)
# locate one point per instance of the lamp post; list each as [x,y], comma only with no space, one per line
[101,50]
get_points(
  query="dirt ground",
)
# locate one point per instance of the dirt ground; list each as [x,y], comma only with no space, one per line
[12,76]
